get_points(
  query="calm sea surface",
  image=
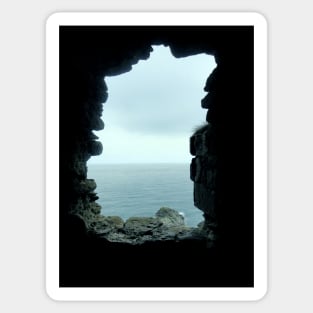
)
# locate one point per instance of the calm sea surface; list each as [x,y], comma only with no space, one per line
[141,189]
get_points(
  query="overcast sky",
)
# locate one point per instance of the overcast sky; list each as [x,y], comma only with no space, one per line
[152,110]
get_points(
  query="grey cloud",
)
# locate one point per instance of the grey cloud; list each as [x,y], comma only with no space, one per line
[160,97]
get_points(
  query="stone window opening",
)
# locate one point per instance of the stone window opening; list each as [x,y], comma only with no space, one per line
[166,222]
[223,180]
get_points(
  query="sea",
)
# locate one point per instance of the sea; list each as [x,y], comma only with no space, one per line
[128,190]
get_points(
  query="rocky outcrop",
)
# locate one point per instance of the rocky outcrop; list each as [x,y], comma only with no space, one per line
[169,217]
[106,224]
[167,225]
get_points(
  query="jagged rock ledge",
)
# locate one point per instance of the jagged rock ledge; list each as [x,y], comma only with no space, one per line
[167,225]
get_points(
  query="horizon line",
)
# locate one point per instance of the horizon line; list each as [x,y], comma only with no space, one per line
[130,163]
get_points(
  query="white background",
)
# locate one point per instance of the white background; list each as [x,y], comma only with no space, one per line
[22,105]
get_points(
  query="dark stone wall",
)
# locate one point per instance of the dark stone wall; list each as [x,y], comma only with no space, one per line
[203,172]
[222,168]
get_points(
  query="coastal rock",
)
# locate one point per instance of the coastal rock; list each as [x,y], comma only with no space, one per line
[170,217]
[108,224]
[167,225]
[190,234]
[141,225]
[115,221]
